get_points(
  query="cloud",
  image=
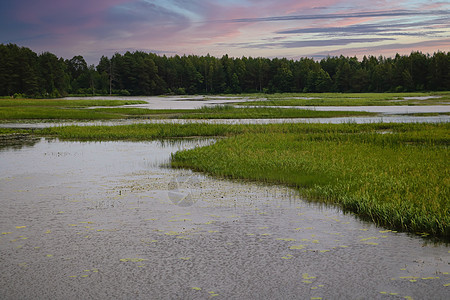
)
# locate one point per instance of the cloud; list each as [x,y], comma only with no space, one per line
[141,18]
[308,43]
[30,18]
[329,42]
[430,46]
[370,14]
[386,28]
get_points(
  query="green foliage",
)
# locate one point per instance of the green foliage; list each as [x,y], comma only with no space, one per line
[18,96]
[138,73]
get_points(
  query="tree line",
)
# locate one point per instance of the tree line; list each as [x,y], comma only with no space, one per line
[26,73]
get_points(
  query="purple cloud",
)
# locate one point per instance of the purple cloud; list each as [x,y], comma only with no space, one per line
[308,43]
[371,14]
[367,28]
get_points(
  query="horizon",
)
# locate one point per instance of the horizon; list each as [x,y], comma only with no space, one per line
[286,29]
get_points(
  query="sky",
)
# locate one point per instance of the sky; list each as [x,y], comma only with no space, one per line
[256,28]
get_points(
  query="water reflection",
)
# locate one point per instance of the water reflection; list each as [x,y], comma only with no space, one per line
[17,141]
[387,110]
[96,220]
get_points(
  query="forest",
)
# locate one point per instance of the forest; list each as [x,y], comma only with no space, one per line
[24,73]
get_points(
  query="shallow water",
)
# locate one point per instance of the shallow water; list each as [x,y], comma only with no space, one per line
[171,102]
[108,220]
[198,101]
[388,114]
[386,110]
[356,120]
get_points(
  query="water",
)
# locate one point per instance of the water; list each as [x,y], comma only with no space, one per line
[341,120]
[171,102]
[108,220]
[386,110]
[198,101]
[388,114]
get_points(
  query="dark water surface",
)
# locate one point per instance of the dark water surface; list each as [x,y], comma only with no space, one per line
[108,221]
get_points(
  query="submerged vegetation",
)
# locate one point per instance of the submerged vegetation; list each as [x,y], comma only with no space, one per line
[395,175]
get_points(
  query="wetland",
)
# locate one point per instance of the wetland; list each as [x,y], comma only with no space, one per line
[199,201]
[97,220]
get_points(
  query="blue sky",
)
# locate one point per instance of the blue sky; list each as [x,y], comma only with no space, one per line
[283,28]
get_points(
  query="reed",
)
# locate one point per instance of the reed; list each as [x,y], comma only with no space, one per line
[137,132]
[231,112]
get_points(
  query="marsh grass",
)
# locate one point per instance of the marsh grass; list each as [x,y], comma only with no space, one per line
[138,132]
[57,109]
[65,103]
[52,113]
[395,176]
[428,114]
[231,112]
[347,99]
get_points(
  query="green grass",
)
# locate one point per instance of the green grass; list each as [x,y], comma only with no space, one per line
[137,132]
[64,103]
[55,113]
[6,131]
[428,114]
[394,175]
[52,113]
[230,112]
[346,99]
[57,109]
